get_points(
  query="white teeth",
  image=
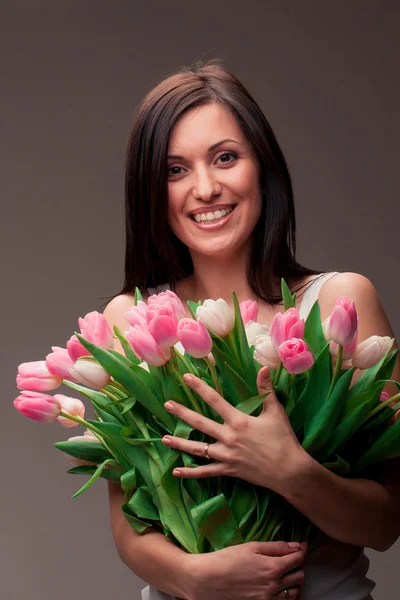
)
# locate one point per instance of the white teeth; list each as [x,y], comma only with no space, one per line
[211,216]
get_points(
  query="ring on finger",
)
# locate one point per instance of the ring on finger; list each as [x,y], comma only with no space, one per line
[286,594]
[206,452]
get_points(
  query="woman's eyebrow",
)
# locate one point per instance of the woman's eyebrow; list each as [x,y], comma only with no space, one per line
[211,148]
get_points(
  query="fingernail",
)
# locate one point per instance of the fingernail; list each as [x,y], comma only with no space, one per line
[169,406]
[294,545]
[176,472]
[187,378]
[166,441]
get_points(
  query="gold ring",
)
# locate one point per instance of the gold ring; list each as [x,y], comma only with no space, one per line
[286,594]
[206,452]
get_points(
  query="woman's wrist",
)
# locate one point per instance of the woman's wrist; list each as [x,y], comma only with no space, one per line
[193,572]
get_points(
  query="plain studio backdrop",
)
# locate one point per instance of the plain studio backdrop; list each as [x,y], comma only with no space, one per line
[326,76]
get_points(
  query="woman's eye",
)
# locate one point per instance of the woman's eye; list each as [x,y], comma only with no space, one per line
[172,171]
[225,154]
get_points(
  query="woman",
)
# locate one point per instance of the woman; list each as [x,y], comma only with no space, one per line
[209,209]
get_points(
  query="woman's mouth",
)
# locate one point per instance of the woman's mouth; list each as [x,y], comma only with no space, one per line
[211,220]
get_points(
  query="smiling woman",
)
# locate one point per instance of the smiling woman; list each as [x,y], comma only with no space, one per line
[209,209]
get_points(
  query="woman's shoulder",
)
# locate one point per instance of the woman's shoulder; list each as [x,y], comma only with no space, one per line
[114,312]
[355,286]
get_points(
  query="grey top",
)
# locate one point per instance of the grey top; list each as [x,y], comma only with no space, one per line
[333,570]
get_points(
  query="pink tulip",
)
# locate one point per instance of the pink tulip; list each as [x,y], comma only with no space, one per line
[265,352]
[194,337]
[136,314]
[296,356]
[162,324]
[385,396]
[168,297]
[39,407]
[286,326]
[371,351]
[343,321]
[36,376]
[348,350]
[95,329]
[59,362]
[88,372]
[75,348]
[72,406]
[217,316]
[248,311]
[145,346]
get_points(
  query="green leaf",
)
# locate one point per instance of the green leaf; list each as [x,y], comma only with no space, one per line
[250,405]
[138,297]
[129,353]
[287,296]
[128,434]
[314,393]
[109,474]
[385,447]
[350,423]
[137,524]
[242,388]
[325,420]
[92,451]
[142,505]
[313,332]
[122,359]
[193,306]
[136,380]
[246,355]
[95,476]
[129,481]
[216,521]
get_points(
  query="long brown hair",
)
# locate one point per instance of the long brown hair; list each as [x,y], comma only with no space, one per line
[154,255]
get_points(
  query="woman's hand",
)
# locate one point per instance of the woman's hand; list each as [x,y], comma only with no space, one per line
[263,450]
[256,570]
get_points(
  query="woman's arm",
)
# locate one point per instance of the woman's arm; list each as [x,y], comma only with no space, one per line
[356,511]
[151,556]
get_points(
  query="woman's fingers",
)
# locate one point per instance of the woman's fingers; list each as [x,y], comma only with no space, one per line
[290,593]
[209,395]
[214,450]
[211,470]
[195,419]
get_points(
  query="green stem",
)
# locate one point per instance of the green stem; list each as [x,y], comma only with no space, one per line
[230,340]
[336,374]
[382,405]
[213,375]
[187,389]
[277,374]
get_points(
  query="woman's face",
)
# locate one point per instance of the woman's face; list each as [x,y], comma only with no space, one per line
[214,198]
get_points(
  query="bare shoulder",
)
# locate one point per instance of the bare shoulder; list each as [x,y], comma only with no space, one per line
[115,309]
[355,286]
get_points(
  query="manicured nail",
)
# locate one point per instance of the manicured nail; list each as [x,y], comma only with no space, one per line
[166,441]
[177,472]
[294,545]
[169,406]
[187,378]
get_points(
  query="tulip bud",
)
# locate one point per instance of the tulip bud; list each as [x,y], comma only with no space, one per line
[194,337]
[170,298]
[75,348]
[162,324]
[88,372]
[348,350]
[217,316]
[145,346]
[39,407]
[73,407]
[371,351]
[59,362]
[248,311]
[255,330]
[286,326]
[265,352]
[36,376]
[296,356]
[343,321]
[137,313]
[95,329]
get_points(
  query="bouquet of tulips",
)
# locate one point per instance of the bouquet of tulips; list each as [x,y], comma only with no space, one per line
[349,428]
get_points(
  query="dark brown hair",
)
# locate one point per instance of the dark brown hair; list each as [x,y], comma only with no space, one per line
[154,255]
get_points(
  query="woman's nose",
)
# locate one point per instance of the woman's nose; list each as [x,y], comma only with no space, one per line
[205,185]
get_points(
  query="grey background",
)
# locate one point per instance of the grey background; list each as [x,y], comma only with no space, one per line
[326,75]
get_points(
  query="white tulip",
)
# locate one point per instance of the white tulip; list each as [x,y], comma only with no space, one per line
[88,372]
[254,330]
[217,316]
[265,352]
[371,351]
